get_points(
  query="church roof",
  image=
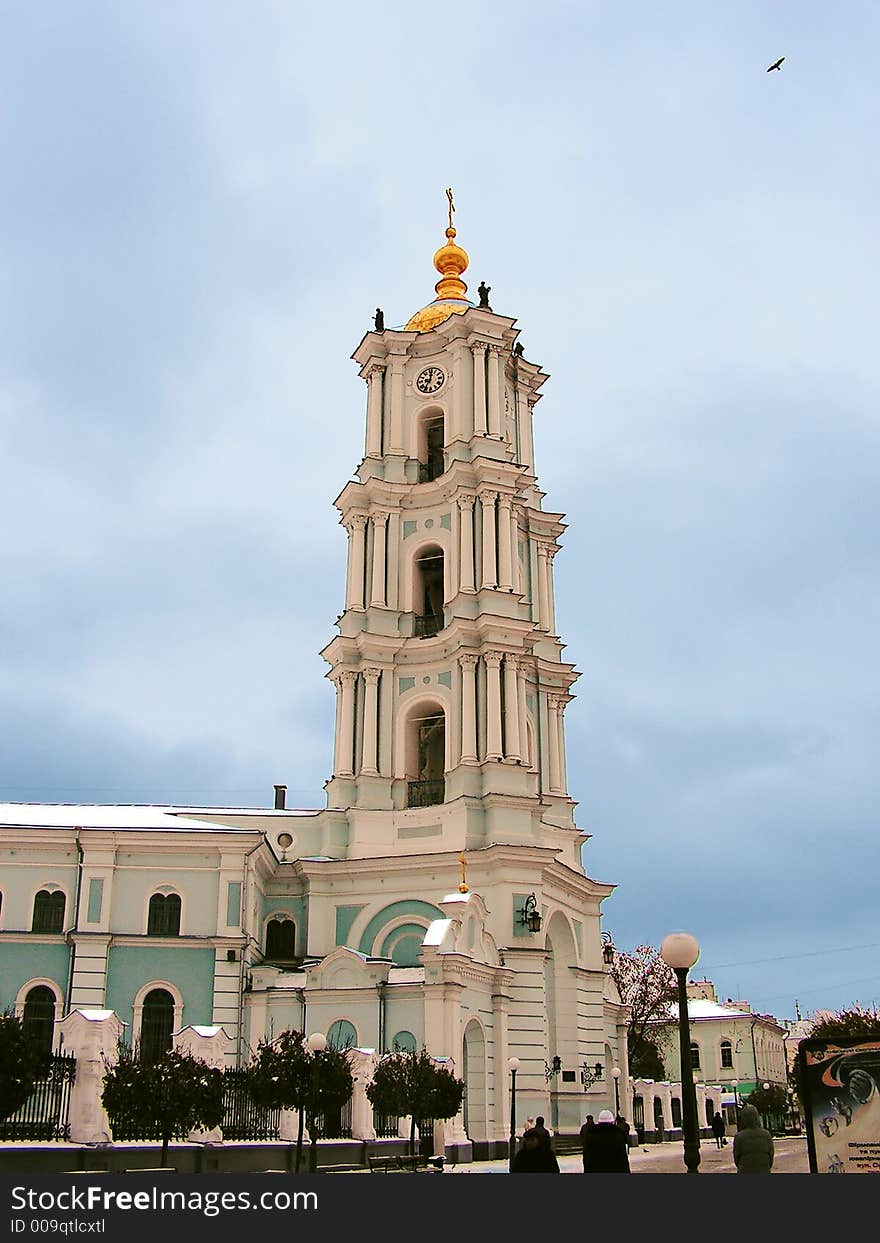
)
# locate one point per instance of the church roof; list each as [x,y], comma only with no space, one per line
[107,816]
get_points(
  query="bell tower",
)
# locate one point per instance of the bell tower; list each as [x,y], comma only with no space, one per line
[450,684]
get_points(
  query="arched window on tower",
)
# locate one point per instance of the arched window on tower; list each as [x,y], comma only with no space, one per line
[426,758]
[157,1024]
[428,592]
[280,940]
[38,1017]
[48,911]
[431,438]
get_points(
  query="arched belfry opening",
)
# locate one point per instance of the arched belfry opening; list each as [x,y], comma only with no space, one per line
[426,756]
[432,436]
[428,592]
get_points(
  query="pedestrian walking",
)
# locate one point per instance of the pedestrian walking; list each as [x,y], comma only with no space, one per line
[752,1144]
[718,1129]
[541,1131]
[534,1156]
[605,1147]
[589,1124]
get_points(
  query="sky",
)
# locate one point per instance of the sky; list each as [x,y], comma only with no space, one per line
[201,206]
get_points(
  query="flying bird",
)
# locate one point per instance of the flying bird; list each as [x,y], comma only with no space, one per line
[777,64]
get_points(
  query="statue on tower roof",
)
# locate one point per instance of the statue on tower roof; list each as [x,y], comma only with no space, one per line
[484,290]
[379,320]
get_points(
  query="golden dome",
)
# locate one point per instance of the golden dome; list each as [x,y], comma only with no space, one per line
[450,261]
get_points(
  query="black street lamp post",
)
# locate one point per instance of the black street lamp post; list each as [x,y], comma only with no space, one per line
[615,1075]
[680,951]
[513,1067]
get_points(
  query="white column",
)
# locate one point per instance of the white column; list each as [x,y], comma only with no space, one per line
[494,403]
[543,591]
[468,708]
[363,1065]
[511,710]
[386,717]
[493,705]
[560,714]
[377,594]
[460,360]
[466,546]
[345,738]
[92,1036]
[371,717]
[487,500]
[479,390]
[523,715]
[553,743]
[374,412]
[551,600]
[336,679]
[505,554]
[392,543]
[355,595]
[396,420]
[514,550]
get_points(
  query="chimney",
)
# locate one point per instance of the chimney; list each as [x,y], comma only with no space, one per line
[280,797]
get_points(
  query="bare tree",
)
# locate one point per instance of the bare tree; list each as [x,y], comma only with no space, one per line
[648,986]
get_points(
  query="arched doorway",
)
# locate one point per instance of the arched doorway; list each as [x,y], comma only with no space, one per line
[428,591]
[38,1017]
[560,1002]
[157,1024]
[425,745]
[474,1105]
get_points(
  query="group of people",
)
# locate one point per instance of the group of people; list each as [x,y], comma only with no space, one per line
[605,1144]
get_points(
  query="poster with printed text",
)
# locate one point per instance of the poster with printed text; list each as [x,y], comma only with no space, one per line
[840,1082]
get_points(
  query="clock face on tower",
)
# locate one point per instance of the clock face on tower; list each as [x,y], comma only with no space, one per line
[430,380]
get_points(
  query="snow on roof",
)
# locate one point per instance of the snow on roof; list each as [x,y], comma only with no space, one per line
[94,1016]
[437,930]
[109,816]
[103,816]
[700,1009]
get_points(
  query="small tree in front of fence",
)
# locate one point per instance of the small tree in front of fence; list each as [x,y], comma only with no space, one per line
[286,1074]
[22,1062]
[412,1083]
[170,1097]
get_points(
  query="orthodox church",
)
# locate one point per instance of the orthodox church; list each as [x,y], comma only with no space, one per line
[439,899]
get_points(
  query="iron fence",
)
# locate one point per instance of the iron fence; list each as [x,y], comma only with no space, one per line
[243,1118]
[385,1126]
[45,1115]
[334,1123]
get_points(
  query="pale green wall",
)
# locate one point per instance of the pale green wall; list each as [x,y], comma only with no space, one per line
[19,884]
[190,970]
[22,961]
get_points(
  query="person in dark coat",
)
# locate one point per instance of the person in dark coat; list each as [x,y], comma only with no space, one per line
[534,1156]
[605,1147]
[718,1129]
[752,1144]
[542,1132]
[589,1125]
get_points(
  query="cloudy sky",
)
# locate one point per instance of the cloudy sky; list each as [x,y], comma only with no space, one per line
[201,206]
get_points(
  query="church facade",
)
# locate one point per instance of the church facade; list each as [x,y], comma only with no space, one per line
[439,899]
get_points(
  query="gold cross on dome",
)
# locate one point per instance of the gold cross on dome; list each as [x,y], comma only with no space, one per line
[463,887]
[451,204]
